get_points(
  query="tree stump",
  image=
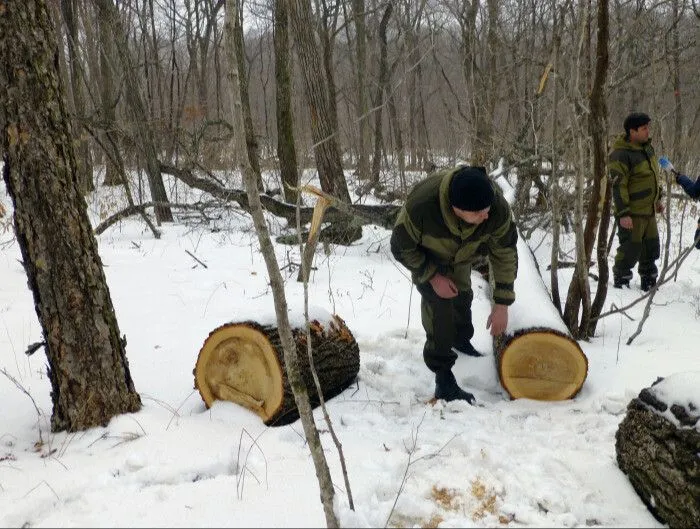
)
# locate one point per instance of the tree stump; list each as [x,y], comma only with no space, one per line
[540,363]
[243,362]
[658,447]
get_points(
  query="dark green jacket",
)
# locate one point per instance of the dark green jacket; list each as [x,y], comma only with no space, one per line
[634,175]
[429,238]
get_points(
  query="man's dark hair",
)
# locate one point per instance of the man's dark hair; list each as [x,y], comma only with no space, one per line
[634,121]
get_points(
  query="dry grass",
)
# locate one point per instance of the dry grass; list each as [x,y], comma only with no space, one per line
[486,500]
[446,498]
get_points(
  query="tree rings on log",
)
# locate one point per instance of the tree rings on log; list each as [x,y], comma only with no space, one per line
[540,364]
[243,362]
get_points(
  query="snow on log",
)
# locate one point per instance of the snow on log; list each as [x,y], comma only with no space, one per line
[658,447]
[536,357]
[243,362]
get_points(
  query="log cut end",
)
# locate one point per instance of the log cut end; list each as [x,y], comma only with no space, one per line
[237,363]
[542,365]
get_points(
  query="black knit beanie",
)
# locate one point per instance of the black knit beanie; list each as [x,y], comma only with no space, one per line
[470,189]
[635,120]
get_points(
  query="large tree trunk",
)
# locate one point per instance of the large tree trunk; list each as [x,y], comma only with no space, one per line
[323,131]
[88,369]
[243,362]
[286,151]
[382,86]
[657,446]
[358,15]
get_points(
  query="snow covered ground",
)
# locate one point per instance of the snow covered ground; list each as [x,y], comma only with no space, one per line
[175,463]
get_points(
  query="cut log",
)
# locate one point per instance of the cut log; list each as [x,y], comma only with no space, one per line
[657,446]
[536,358]
[540,364]
[243,362]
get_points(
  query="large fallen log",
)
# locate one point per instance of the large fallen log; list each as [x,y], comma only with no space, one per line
[243,362]
[658,447]
[536,357]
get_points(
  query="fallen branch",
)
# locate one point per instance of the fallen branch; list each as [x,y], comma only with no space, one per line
[195,258]
[140,209]
[381,215]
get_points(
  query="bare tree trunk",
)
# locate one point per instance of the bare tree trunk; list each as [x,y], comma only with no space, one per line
[301,396]
[578,295]
[251,140]
[142,130]
[326,149]
[286,151]
[103,65]
[382,86]
[599,207]
[83,158]
[358,11]
[88,368]
[554,183]
[328,15]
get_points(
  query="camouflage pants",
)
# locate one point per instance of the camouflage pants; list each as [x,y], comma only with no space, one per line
[446,323]
[640,244]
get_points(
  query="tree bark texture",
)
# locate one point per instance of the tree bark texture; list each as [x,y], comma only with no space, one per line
[382,86]
[250,137]
[230,356]
[88,369]
[286,151]
[661,459]
[598,214]
[324,134]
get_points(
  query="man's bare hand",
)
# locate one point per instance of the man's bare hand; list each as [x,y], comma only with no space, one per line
[443,286]
[498,320]
[626,222]
[659,206]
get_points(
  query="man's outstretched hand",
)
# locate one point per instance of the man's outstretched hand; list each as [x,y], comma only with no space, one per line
[443,286]
[498,320]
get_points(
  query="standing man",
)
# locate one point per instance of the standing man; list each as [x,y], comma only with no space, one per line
[636,184]
[438,233]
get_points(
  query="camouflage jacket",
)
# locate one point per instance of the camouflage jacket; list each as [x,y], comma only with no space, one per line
[429,238]
[635,177]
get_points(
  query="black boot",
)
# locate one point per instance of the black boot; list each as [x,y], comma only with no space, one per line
[696,237]
[466,347]
[648,283]
[621,281]
[446,388]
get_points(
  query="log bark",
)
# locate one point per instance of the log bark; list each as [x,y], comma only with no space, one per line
[243,362]
[660,457]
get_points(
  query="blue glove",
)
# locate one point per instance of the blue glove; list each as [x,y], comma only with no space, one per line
[665,164]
